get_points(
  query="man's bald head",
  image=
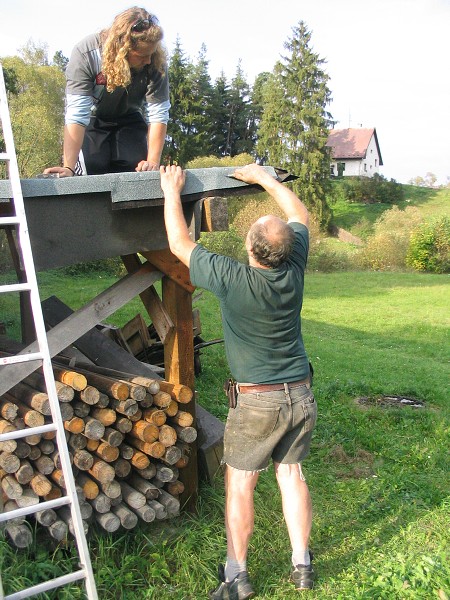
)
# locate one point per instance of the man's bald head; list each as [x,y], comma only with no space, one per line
[270,241]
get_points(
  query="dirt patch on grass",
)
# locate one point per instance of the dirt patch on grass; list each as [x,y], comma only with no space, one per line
[355,467]
[390,402]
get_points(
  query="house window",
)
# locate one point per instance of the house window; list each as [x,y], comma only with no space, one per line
[340,168]
[376,162]
[365,167]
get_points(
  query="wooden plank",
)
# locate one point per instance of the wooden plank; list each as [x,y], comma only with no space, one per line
[179,368]
[210,443]
[135,335]
[150,300]
[84,319]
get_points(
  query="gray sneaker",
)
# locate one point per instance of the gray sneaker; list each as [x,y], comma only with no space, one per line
[238,589]
[303,576]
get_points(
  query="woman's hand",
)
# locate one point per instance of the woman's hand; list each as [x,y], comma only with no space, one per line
[61,171]
[147,165]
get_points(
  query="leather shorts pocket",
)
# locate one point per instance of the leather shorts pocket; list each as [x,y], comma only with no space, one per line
[257,423]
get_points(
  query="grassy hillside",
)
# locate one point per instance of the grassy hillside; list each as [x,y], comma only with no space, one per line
[358,217]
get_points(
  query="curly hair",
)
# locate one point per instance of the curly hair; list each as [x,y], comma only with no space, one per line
[119,40]
[271,242]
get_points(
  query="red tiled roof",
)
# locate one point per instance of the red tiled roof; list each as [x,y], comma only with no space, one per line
[351,143]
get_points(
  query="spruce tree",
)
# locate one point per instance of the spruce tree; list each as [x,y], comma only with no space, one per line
[294,125]
[257,108]
[239,137]
[178,127]
[201,107]
[220,116]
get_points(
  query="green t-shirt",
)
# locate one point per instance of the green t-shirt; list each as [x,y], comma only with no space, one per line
[260,312]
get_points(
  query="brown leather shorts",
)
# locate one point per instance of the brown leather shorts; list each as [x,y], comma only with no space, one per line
[275,425]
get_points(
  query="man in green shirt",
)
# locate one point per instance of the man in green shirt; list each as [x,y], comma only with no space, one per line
[275,412]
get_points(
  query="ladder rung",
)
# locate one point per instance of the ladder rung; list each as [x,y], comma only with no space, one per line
[18,358]
[15,287]
[29,510]
[21,433]
[9,221]
[4,156]
[48,585]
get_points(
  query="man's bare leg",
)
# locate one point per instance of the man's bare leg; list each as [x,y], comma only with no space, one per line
[239,513]
[297,509]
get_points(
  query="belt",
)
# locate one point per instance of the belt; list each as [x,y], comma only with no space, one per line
[270,387]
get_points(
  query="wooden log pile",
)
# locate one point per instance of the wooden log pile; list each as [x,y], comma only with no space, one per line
[128,438]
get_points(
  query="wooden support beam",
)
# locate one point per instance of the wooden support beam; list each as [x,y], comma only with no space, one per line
[179,347]
[179,368]
[150,300]
[170,265]
[84,319]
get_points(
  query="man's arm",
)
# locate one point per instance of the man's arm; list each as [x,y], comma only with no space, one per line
[172,182]
[290,204]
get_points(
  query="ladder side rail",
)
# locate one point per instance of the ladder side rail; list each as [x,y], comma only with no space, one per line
[66,467]
[41,336]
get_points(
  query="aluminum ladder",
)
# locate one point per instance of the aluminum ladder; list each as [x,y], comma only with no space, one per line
[42,358]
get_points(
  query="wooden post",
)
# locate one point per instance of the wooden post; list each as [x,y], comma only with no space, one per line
[179,368]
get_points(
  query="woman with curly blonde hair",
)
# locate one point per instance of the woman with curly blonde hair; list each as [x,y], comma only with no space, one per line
[117,99]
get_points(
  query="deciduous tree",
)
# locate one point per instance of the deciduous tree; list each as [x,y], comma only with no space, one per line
[37,110]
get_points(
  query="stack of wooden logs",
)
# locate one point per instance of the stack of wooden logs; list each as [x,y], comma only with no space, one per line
[127,438]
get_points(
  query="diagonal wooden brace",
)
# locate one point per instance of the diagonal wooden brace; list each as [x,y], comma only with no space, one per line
[69,330]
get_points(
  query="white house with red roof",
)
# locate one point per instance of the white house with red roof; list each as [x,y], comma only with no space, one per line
[354,151]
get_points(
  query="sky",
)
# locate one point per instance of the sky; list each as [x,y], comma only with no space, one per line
[387,59]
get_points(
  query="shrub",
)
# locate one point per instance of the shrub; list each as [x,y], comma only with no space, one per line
[229,243]
[205,162]
[328,260]
[369,190]
[363,228]
[429,248]
[386,249]
[248,211]
[402,222]
[382,253]
[107,266]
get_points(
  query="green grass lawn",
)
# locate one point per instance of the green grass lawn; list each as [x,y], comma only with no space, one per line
[378,475]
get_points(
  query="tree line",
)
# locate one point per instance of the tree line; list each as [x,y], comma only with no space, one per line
[281,120]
